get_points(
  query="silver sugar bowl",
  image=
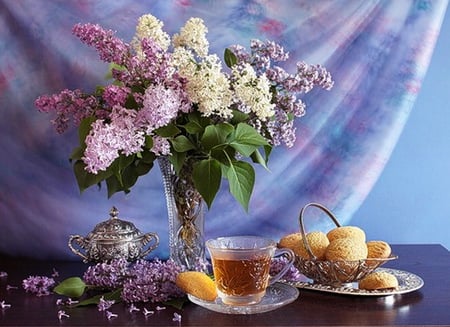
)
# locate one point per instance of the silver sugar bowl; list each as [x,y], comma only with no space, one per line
[113,239]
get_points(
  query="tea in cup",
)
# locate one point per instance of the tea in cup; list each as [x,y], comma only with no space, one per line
[241,266]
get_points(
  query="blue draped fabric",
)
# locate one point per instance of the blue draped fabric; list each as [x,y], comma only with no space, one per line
[377,51]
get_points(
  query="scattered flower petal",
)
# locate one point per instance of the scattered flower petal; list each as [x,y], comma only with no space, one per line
[148,312]
[61,314]
[3,274]
[104,305]
[111,315]
[70,301]
[176,317]
[10,287]
[55,273]
[4,305]
[133,308]
[59,302]
[160,308]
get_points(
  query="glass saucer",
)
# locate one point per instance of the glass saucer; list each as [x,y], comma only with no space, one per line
[277,295]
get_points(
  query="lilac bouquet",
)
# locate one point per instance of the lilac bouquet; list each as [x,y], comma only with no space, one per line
[170,98]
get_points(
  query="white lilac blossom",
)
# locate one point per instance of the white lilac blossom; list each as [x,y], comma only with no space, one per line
[4,305]
[39,285]
[149,26]
[193,36]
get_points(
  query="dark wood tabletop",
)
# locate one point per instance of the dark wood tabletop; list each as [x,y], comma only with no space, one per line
[428,306]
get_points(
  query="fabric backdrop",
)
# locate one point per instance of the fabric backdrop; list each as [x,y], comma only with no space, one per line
[377,52]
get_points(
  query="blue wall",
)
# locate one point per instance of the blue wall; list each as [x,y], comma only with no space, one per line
[411,201]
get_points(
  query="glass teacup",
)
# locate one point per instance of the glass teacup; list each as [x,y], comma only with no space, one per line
[241,266]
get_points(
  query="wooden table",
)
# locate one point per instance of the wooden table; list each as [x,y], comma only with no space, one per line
[428,306]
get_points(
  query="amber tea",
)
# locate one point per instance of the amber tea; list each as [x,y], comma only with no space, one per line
[242,277]
[241,267]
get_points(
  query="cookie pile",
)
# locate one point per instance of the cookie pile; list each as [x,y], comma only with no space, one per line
[344,243]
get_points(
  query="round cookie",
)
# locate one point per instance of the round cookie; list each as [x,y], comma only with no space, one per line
[198,284]
[378,249]
[318,243]
[347,232]
[347,249]
[378,280]
[291,241]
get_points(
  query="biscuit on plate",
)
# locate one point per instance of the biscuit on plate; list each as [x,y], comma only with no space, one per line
[197,284]
[378,280]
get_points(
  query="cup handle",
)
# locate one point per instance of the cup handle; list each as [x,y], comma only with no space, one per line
[289,254]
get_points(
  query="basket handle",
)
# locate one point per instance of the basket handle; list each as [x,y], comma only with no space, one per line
[302,227]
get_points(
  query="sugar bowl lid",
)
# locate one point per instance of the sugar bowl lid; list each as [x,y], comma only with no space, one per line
[114,229]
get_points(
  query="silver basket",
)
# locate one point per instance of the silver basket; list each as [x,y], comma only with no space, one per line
[334,273]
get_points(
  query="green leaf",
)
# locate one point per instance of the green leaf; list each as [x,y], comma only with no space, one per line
[169,130]
[86,179]
[193,127]
[148,142]
[182,144]
[207,176]
[238,117]
[241,177]
[77,153]
[177,160]
[114,185]
[216,135]
[177,303]
[85,128]
[258,158]
[246,134]
[71,287]
[230,58]
[114,295]
[246,139]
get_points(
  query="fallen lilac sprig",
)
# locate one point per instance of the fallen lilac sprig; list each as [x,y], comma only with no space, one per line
[39,285]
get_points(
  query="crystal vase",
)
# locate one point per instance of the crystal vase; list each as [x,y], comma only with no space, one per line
[185,214]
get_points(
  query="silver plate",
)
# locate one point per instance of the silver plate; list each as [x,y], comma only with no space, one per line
[407,282]
[277,295]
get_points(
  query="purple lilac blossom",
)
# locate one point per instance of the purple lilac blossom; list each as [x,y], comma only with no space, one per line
[152,281]
[293,274]
[106,275]
[39,285]
[106,141]
[110,48]
[67,104]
